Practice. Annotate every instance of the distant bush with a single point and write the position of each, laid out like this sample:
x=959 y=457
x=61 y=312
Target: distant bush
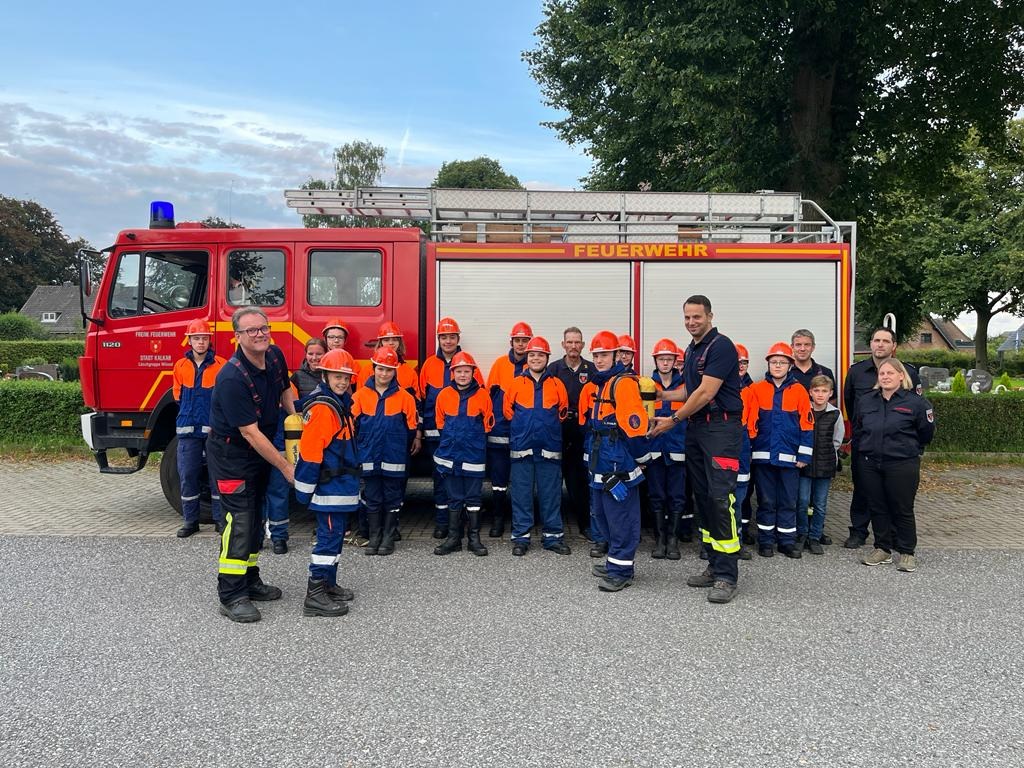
x=37 y=408
x=34 y=361
x=16 y=327
x=959 y=384
x=978 y=423
x=68 y=369
x=15 y=353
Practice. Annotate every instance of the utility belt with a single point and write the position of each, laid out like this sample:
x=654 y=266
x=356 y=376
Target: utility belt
x=326 y=475
x=715 y=416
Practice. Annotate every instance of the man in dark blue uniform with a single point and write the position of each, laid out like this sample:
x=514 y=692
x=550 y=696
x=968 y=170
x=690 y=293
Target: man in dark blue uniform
x=713 y=439
x=861 y=379
x=249 y=392
x=573 y=371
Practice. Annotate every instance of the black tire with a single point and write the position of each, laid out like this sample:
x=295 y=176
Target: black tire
x=170 y=483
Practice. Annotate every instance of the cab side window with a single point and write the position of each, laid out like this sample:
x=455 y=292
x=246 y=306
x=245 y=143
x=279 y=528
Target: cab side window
x=345 y=278
x=256 y=278
x=159 y=281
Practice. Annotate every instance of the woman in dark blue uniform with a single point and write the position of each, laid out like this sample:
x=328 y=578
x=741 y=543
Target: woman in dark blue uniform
x=892 y=427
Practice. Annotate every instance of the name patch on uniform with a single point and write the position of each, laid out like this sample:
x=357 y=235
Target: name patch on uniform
x=902 y=409
x=931 y=414
x=634 y=421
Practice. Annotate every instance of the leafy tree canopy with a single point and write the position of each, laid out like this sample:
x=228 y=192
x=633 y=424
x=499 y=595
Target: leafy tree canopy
x=216 y=222
x=811 y=96
x=479 y=173
x=33 y=251
x=356 y=164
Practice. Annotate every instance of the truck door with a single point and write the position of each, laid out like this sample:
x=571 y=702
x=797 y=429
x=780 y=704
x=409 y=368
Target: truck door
x=153 y=294
x=348 y=281
x=257 y=275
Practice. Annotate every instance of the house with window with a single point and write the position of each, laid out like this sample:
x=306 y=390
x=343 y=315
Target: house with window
x=57 y=308
x=933 y=333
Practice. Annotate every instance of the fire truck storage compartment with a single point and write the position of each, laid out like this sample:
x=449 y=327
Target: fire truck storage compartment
x=489 y=297
x=755 y=303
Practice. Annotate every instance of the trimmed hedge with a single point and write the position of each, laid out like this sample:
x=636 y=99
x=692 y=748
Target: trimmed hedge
x=36 y=408
x=978 y=423
x=14 y=353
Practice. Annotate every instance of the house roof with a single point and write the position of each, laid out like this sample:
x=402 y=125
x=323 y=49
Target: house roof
x=951 y=332
x=62 y=299
x=1014 y=341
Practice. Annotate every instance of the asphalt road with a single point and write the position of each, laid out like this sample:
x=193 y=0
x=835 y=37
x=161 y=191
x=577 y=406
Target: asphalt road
x=112 y=653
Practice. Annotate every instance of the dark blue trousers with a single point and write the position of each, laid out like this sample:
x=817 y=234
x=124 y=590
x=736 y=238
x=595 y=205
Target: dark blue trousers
x=666 y=488
x=777 y=489
x=330 y=536
x=621 y=519
x=382 y=493
x=546 y=477
x=191 y=465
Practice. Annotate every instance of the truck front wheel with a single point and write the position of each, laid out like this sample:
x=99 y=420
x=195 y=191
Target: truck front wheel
x=170 y=483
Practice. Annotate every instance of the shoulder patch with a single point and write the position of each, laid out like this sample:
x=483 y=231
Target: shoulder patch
x=306 y=415
x=930 y=414
x=634 y=421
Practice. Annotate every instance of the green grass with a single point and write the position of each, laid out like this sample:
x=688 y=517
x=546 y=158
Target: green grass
x=46 y=447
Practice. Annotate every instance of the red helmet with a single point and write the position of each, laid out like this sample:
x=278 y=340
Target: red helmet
x=626 y=344
x=385 y=357
x=604 y=341
x=462 y=358
x=389 y=330
x=741 y=351
x=781 y=348
x=337 y=361
x=447 y=325
x=334 y=322
x=539 y=344
x=521 y=331
x=199 y=328
x=665 y=347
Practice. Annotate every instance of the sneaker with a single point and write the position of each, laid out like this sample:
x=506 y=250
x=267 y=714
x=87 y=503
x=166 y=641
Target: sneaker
x=908 y=564
x=878 y=557
x=854 y=542
x=722 y=592
x=814 y=547
x=610 y=584
x=704 y=579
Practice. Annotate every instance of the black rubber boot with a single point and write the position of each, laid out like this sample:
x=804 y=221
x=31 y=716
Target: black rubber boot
x=454 y=541
x=672 y=548
x=498 y=504
x=387 y=542
x=373 y=524
x=473 y=543
x=319 y=603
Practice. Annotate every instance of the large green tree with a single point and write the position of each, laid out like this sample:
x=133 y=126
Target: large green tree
x=812 y=96
x=33 y=251
x=479 y=173
x=356 y=164
x=977 y=264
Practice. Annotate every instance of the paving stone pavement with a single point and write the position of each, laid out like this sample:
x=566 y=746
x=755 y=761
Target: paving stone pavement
x=957 y=507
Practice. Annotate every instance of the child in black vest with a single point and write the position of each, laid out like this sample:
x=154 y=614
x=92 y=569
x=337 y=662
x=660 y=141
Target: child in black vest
x=816 y=477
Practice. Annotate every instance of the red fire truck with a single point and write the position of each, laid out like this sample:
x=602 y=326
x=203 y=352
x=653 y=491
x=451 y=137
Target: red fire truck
x=769 y=262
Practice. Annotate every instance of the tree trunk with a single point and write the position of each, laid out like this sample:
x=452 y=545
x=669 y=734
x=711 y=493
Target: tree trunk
x=981 y=338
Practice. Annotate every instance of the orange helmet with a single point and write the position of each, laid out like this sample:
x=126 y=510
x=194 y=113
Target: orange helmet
x=604 y=341
x=198 y=327
x=462 y=358
x=447 y=325
x=334 y=322
x=665 y=347
x=385 y=357
x=337 y=361
x=521 y=331
x=781 y=348
x=389 y=330
x=539 y=344
x=626 y=344
x=741 y=351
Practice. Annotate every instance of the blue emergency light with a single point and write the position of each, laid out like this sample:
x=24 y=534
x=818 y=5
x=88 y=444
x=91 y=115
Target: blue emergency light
x=161 y=215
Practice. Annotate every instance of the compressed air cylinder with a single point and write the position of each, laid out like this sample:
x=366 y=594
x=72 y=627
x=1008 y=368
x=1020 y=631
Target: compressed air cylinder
x=647 y=389
x=292 y=435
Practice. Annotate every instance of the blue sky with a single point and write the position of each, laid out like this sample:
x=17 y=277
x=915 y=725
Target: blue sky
x=220 y=106
x=223 y=105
